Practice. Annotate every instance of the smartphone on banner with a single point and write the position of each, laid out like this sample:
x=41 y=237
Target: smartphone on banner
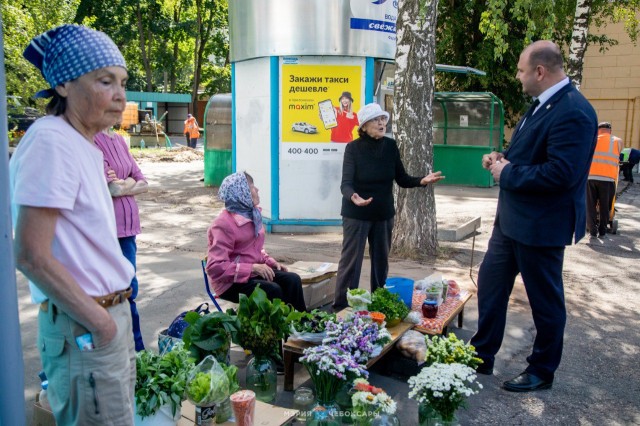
x=328 y=114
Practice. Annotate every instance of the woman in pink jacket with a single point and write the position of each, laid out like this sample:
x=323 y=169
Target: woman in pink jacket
x=236 y=260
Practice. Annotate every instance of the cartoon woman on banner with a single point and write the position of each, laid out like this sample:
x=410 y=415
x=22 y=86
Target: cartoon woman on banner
x=346 y=118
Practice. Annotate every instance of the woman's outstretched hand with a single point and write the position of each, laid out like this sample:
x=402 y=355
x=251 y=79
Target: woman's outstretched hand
x=431 y=178
x=359 y=201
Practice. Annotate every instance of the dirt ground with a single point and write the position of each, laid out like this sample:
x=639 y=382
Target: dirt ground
x=598 y=381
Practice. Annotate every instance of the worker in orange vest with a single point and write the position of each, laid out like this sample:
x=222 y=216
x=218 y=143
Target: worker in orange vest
x=603 y=175
x=191 y=131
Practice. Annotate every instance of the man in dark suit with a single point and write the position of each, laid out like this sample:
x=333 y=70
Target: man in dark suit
x=541 y=207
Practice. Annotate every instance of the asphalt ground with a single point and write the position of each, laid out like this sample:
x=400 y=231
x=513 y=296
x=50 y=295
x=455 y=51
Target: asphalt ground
x=598 y=382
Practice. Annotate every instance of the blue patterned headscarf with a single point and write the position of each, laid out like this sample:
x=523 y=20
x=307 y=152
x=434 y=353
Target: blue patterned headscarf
x=67 y=52
x=236 y=194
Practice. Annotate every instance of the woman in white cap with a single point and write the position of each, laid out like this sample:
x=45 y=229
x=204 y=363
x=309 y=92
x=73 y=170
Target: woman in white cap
x=371 y=164
x=65 y=230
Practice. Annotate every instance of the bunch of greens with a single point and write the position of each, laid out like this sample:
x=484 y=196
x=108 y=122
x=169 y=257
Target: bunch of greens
x=389 y=304
x=208 y=382
x=449 y=350
x=210 y=334
x=263 y=323
x=313 y=322
x=161 y=379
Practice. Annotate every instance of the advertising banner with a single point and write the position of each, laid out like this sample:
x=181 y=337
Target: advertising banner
x=319 y=105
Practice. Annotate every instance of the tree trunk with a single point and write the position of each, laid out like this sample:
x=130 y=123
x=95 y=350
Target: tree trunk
x=578 y=45
x=415 y=231
x=143 y=49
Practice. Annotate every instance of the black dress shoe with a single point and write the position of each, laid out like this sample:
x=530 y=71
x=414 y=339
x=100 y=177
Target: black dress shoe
x=526 y=382
x=484 y=369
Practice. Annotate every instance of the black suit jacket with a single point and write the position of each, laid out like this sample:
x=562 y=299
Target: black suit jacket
x=542 y=190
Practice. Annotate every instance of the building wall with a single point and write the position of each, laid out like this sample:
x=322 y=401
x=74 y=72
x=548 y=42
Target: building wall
x=611 y=82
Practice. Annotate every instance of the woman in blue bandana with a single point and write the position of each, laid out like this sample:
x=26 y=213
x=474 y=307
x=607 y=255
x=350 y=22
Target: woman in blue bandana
x=236 y=260
x=65 y=230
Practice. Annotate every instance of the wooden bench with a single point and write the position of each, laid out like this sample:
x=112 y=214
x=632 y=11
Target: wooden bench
x=293 y=350
x=451 y=308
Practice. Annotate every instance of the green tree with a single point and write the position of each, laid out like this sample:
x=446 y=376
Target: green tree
x=21 y=21
x=415 y=222
x=489 y=35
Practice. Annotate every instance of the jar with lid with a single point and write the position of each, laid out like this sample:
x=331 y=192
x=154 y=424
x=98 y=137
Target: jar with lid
x=303 y=402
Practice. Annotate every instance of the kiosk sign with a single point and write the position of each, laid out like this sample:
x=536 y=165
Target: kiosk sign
x=319 y=106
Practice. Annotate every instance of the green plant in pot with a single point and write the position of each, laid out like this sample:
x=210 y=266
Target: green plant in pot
x=161 y=380
x=263 y=325
x=224 y=410
x=390 y=304
x=210 y=334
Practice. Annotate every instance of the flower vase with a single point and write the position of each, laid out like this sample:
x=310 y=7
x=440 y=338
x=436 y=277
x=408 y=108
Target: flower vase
x=343 y=398
x=453 y=422
x=427 y=416
x=262 y=378
x=385 y=420
x=331 y=406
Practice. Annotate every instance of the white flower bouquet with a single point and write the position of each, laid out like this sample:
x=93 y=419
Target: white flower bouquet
x=444 y=387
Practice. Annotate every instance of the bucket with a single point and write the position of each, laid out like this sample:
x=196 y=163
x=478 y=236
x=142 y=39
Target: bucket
x=403 y=287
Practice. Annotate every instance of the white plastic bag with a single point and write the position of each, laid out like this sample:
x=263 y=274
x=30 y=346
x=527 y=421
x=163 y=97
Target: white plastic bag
x=207 y=383
x=306 y=336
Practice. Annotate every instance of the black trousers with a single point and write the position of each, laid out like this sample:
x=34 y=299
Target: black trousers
x=355 y=234
x=541 y=270
x=599 y=192
x=285 y=286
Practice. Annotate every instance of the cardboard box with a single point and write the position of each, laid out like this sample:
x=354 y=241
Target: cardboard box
x=265 y=415
x=320 y=293
x=314 y=272
x=42 y=416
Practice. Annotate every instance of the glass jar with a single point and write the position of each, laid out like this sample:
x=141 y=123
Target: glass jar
x=262 y=378
x=322 y=417
x=303 y=402
x=429 y=308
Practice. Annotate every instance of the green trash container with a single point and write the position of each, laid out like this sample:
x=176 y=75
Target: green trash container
x=217 y=166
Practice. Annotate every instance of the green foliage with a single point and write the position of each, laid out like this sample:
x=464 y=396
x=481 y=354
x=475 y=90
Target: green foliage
x=263 y=323
x=313 y=322
x=389 y=304
x=161 y=379
x=21 y=21
x=489 y=35
x=210 y=334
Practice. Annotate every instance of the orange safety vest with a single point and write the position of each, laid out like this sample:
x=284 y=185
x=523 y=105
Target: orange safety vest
x=606 y=157
x=191 y=127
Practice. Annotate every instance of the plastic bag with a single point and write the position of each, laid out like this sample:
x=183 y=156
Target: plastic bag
x=306 y=336
x=207 y=383
x=412 y=345
x=358 y=299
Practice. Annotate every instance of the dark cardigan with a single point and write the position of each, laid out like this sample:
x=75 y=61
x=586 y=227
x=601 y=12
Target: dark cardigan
x=370 y=166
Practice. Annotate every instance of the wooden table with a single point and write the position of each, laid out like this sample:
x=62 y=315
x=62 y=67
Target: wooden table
x=452 y=307
x=293 y=349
